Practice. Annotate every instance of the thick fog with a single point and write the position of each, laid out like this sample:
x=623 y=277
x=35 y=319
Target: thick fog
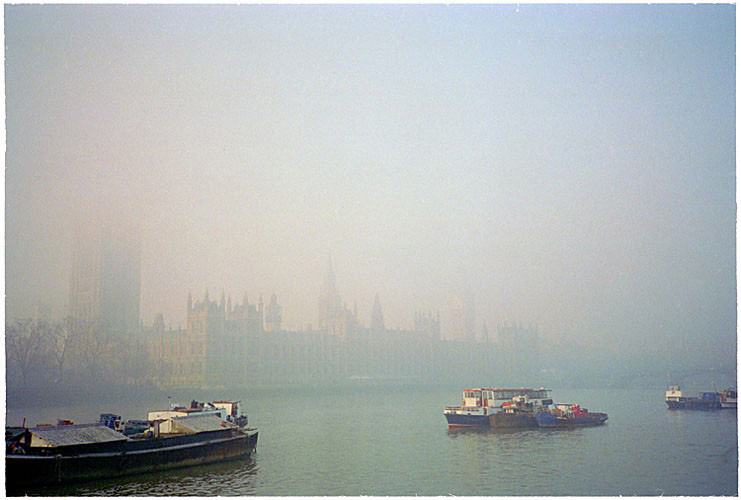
x=568 y=167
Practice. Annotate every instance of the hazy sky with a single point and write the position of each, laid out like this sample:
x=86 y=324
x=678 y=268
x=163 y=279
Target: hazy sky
x=569 y=166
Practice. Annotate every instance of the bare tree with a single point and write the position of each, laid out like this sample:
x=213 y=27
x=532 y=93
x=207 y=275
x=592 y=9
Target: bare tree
x=25 y=345
x=95 y=349
x=63 y=338
x=134 y=361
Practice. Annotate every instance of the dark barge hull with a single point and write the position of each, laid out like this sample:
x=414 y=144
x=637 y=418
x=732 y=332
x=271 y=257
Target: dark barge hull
x=495 y=420
x=512 y=420
x=551 y=421
x=39 y=469
x=695 y=404
x=460 y=421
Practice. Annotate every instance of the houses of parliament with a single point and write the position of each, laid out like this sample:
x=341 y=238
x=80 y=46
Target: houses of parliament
x=228 y=343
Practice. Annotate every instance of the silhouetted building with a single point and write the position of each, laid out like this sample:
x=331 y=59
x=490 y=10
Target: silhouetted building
x=213 y=350
x=334 y=317
x=427 y=325
x=273 y=315
x=234 y=345
x=469 y=317
x=519 y=352
x=455 y=328
x=106 y=276
x=377 y=324
x=485 y=334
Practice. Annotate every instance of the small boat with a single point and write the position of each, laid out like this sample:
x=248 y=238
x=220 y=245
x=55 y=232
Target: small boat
x=728 y=399
x=78 y=452
x=678 y=400
x=569 y=415
x=497 y=408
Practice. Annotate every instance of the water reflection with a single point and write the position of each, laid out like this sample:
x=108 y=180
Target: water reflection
x=232 y=478
x=514 y=430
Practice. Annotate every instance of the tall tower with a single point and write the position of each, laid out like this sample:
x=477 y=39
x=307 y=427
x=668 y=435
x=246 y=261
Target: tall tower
x=377 y=324
x=273 y=315
x=334 y=317
x=469 y=316
x=455 y=328
x=105 y=284
x=330 y=304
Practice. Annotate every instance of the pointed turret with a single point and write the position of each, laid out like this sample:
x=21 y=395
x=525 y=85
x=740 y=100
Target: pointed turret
x=377 y=324
x=329 y=279
x=330 y=303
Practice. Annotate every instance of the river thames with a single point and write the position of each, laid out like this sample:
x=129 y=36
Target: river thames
x=363 y=440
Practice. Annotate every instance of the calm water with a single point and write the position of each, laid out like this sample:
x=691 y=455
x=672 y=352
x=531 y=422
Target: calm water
x=373 y=441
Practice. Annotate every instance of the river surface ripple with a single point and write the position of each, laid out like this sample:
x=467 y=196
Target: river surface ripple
x=361 y=440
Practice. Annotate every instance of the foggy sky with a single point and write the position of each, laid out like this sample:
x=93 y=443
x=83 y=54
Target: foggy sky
x=570 y=167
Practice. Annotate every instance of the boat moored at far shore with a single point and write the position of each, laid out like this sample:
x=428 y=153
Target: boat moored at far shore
x=676 y=399
x=728 y=399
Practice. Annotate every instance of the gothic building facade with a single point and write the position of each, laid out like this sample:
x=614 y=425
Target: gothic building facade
x=334 y=316
x=232 y=345
x=214 y=348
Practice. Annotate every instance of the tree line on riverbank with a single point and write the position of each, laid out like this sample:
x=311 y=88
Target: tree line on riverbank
x=67 y=353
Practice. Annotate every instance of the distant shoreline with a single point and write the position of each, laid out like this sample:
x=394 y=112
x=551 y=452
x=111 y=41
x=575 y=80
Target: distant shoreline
x=31 y=397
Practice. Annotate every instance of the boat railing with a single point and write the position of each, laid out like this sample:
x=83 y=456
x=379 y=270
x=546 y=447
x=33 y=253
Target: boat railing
x=461 y=408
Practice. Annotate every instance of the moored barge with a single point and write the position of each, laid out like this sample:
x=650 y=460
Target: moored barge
x=69 y=453
x=569 y=415
x=728 y=399
x=497 y=408
x=676 y=399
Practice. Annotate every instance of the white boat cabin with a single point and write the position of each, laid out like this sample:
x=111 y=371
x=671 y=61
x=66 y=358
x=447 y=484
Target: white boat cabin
x=674 y=394
x=226 y=410
x=192 y=424
x=233 y=409
x=493 y=398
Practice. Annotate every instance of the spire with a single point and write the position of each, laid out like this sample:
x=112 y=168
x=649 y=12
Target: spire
x=329 y=279
x=377 y=317
x=190 y=302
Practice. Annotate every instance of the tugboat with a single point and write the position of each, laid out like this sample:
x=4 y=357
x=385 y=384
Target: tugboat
x=68 y=452
x=498 y=408
x=569 y=415
x=677 y=400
